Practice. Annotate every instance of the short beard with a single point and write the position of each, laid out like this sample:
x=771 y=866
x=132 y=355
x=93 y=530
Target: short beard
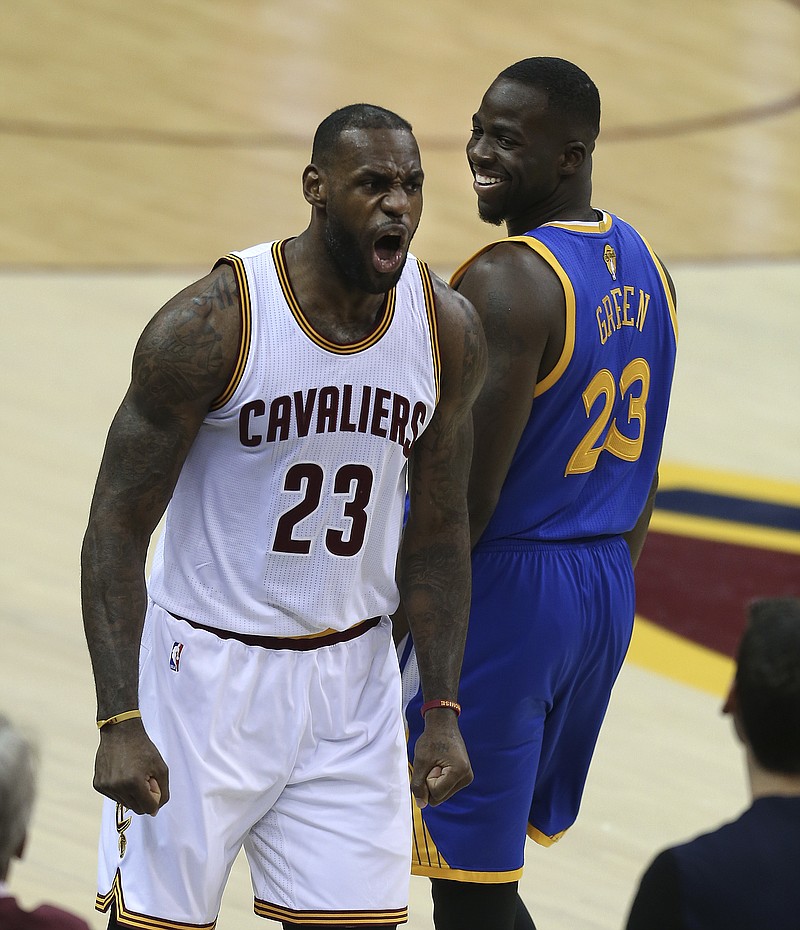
x=345 y=252
x=491 y=220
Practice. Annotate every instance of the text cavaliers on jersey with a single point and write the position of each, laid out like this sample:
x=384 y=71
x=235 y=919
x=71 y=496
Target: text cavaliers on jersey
x=374 y=410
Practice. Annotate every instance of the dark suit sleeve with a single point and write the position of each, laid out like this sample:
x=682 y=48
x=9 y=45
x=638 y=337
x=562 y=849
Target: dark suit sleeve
x=657 y=904
x=50 y=917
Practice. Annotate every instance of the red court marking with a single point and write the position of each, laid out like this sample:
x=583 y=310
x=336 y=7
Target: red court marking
x=700 y=589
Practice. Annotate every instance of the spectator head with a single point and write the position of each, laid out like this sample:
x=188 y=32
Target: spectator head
x=765 y=695
x=17 y=790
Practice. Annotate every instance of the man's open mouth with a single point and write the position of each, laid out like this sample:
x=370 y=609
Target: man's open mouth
x=389 y=252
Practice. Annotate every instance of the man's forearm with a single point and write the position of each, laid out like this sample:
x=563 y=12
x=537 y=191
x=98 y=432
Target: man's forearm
x=435 y=592
x=114 y=599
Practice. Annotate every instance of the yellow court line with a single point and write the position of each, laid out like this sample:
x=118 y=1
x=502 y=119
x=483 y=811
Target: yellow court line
x=674 y=474
x=658 y=650
x=725 y=531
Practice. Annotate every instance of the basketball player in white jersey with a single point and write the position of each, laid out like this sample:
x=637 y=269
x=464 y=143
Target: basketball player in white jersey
x=280 y=406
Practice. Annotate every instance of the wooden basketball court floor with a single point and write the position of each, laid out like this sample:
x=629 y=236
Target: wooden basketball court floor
x=141 y=141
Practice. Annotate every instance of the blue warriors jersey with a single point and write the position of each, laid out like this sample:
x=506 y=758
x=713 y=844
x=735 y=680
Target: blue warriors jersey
x=589 y=452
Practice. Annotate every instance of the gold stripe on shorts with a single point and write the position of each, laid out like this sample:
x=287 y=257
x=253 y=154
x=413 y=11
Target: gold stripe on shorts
x=288 y=915
x=128 y=918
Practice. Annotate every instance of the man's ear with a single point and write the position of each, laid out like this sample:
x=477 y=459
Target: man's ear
x=732 y=700
x=731 y=706
x=573 y=157
x=315 y=186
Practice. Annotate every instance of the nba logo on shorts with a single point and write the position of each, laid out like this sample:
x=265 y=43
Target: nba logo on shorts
x=175 y=657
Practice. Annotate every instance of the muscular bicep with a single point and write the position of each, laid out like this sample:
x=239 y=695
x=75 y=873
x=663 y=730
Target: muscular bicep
x=181 y=363
x=140 y=466
x=521 y=304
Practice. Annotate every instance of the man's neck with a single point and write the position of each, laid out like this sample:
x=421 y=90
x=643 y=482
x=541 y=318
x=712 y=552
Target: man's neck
x=321 y=290
x=575 y=214
x=766 y=784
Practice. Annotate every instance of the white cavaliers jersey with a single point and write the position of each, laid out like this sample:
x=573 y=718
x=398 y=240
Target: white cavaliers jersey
x=287 y=515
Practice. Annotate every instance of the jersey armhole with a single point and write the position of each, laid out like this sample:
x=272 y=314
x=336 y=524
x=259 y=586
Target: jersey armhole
x=569 y=298
x=433 y=327
x=569 y=323
x=673 y=312
x=245 y=311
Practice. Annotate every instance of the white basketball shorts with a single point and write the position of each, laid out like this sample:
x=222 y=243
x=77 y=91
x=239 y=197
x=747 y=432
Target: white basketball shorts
x=297 y=756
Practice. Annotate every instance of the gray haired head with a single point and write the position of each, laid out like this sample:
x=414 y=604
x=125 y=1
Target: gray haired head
x=18 y=760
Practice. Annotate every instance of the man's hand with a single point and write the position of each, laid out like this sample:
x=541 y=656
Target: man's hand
x=441 y=764
x=129 y=769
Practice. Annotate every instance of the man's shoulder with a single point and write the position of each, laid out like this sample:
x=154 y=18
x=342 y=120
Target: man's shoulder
x=515 y=258
x=51 y=917
x=449 y=303
x=727 y=843
x=44 y=917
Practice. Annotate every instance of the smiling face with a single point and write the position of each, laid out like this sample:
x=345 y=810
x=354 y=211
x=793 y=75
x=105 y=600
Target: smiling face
x=373 y=205
x=516 y=155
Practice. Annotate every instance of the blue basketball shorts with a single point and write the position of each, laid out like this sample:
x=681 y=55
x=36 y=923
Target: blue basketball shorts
x=549 y=628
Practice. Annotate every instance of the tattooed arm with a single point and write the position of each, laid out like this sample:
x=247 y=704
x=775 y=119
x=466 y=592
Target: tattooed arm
x=434 y=566
x=183 y=360
x=522 y=306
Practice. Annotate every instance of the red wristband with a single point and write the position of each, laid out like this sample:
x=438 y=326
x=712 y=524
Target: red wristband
x=431 y=705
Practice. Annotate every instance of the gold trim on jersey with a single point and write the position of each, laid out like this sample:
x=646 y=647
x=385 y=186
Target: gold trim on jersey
x=288 y=915
x=430 y=309
x=245 y=310
x=140 y=921
x=458 y=274
x=673 y=312
x=599 y=226
x=387 y=311
x=543 y=839
x=569 y=296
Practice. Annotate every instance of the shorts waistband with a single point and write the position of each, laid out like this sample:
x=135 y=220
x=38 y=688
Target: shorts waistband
x=299 y=643
x=545 y=545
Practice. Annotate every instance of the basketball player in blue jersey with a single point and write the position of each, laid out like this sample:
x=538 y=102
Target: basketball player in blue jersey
x=277 y=410
x=579 y=315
